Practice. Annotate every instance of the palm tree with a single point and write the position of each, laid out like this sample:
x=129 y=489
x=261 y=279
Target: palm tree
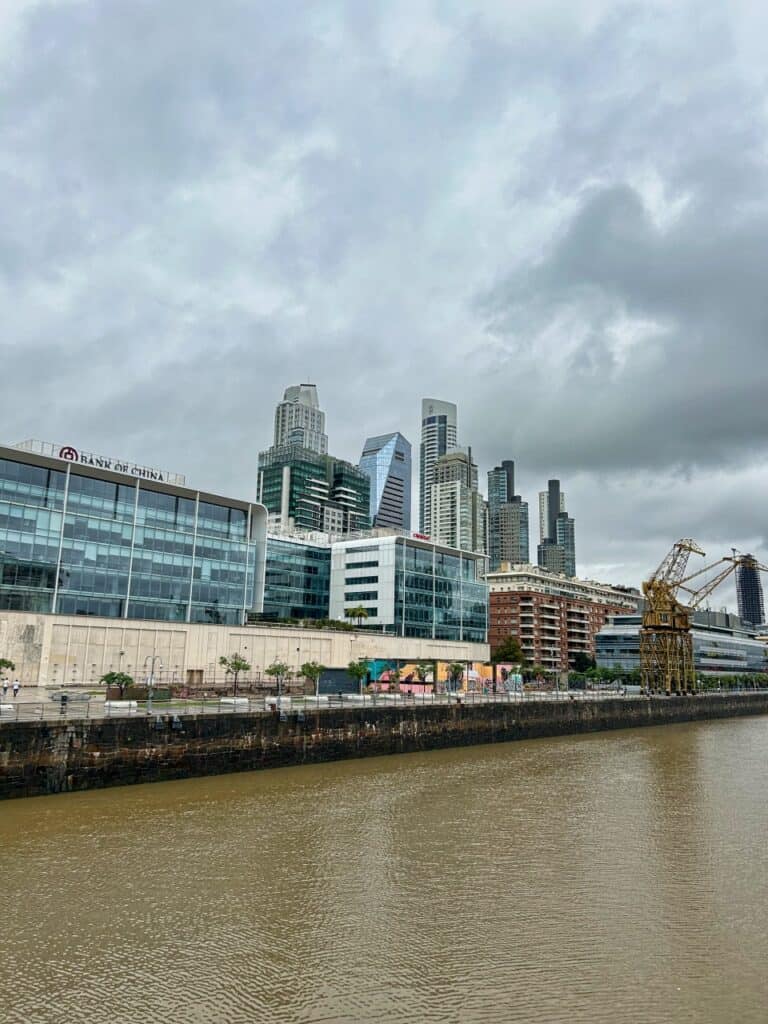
x=358 y=613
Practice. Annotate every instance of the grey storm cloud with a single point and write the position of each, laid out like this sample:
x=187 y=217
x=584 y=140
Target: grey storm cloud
x=553 y=214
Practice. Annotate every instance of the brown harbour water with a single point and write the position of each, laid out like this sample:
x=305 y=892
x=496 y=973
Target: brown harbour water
x=618 y=877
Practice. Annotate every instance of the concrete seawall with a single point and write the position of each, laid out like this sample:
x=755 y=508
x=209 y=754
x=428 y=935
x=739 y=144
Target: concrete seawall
x=38 y=758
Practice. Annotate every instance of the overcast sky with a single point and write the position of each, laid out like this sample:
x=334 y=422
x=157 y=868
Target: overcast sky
x=554 y=213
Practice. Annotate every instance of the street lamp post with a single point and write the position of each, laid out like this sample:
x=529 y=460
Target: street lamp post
x=152 y=659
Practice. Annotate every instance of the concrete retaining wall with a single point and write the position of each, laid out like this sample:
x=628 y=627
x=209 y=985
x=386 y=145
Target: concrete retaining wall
x=59 y=649
x=38 y=758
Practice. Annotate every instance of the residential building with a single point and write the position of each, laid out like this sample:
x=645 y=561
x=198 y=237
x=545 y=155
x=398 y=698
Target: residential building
x=438 y=436
x=88 y=535
x=566 y=539
x=458 y=511
x=510 y=532
x=551 y=557
x=386 y=460
x=411 y=586
x=558 y=503
x=300 y=421
x=303 y=489
x=557 y=547
x=507 y=518
x=749 y=593
x=722 y=644
x=553 y=616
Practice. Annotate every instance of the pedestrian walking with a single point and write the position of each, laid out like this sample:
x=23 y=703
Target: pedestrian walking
x=16 y=688
x=5 y=687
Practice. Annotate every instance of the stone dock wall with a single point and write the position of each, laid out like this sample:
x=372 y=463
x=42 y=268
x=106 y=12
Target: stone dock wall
x=39 y=758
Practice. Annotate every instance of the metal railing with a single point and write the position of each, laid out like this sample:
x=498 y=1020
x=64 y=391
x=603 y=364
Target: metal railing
x=177 y=708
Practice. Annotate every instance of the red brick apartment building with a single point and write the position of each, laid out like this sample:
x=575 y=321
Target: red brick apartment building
x=553 y=616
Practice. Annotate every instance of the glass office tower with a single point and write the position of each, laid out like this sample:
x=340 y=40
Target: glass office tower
x=81 y=541
x=308 y=491
x=386 y=460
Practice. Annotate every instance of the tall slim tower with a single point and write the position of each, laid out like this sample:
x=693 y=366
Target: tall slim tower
x=299 y=420
x=458 y=510
x=749 y=594
x=557 y=549
x=438 y=436
x=507 y=518
x=544 y=522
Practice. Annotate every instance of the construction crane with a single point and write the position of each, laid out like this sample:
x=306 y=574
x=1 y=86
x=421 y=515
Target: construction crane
x=666 y=644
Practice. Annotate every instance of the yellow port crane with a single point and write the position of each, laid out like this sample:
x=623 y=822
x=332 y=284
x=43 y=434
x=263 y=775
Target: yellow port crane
x=666 y=644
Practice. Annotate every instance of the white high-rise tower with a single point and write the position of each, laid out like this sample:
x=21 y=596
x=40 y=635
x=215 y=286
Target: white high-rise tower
x=299 y=419
x=438 y=436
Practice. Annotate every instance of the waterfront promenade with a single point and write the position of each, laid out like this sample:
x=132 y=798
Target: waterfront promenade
x=57 y=753
x=39 y=705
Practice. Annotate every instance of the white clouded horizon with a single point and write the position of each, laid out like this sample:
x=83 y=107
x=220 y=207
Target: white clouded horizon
x=553 y=214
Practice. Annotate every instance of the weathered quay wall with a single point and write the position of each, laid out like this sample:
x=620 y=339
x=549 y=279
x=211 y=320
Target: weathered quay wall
x=38 y=758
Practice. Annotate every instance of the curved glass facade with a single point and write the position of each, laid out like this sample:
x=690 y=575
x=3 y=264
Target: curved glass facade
x=717 y=650
x=85 y=545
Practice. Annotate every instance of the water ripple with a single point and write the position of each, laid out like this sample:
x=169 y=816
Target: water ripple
x=619 y=877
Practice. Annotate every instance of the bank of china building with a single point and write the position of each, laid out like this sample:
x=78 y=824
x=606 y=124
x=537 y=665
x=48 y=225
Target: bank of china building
x=87 y=535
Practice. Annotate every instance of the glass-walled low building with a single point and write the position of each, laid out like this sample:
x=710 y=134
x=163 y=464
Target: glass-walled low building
x=80 y=539
x=297 y=578
x=411 y=587
x=722 y=645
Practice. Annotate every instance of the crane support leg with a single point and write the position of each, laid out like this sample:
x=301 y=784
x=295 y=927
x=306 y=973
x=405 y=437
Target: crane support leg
x=666 y=659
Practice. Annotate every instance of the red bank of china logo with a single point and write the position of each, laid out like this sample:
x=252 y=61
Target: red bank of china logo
x=69 y=453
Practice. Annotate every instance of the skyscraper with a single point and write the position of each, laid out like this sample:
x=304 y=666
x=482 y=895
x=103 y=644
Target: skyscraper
x=387 y=462
x=510 y=534
x=565 y=537
x=501 y=483
x=507 y=518
x=438 y=436
x=557 y=549
x=458 y=510
x=300 y=421
x=305 y=490
x=300 y=484
x=749 y=593
x=544 y=520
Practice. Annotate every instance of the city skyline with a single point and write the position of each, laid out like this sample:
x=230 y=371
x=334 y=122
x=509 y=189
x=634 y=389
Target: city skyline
x=727 y=597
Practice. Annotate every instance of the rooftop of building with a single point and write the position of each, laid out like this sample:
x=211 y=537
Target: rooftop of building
x=703 y=620
x=525 y=576
x=378 y=533
x=49 y=455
